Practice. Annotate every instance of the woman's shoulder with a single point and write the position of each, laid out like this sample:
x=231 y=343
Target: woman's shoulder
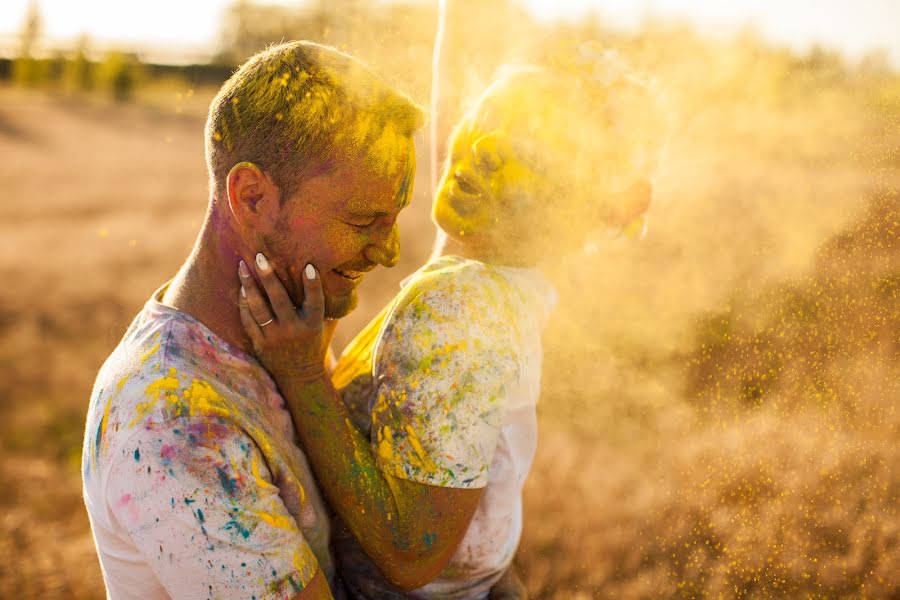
x=456 y=298
x=457 y=277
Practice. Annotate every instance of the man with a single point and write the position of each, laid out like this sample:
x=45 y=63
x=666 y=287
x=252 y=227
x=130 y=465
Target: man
x=192 y=479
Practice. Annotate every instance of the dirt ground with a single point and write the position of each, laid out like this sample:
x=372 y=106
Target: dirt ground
x=720 y=407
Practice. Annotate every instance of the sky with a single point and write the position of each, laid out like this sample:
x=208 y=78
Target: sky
x=853 y=27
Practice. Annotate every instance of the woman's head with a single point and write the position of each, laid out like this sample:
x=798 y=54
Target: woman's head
x=544 y=157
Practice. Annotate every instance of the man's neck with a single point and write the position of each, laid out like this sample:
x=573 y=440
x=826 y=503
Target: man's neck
x=206 y=286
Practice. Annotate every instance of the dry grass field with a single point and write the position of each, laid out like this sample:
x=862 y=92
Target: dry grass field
x=721 y=407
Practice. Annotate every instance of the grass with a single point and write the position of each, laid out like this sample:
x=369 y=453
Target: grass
x=719 y=411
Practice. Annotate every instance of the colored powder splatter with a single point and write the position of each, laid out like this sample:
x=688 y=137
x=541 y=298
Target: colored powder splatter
x=233 y=525
x=228 y=484
x=167 y=452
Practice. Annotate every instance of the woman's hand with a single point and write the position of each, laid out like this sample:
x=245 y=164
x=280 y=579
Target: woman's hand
x=288 y=341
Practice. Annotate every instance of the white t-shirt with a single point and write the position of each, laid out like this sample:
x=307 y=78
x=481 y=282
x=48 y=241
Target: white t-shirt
x=456 y=374
x=193 y=481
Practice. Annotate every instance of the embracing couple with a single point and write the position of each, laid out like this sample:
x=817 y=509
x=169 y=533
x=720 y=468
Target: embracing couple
x=228 y=455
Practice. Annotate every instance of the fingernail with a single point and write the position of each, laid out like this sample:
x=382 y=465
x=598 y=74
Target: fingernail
x=261 y=261
x=243 y=270
x=310 y=272
x=243 y=292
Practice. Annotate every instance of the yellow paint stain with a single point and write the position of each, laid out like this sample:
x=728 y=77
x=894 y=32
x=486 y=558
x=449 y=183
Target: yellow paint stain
x=297 y=564
x=277 y=521
x=254 y=470
x=386 y=444
x=164 y=387
x=149 y=353
x=103 y=424
x=424 y=459
x=202 y=399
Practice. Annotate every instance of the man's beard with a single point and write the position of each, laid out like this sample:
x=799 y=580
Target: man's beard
x=337 y=307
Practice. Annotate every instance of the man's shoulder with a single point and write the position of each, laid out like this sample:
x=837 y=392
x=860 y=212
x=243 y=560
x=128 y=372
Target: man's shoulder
x=156 y=380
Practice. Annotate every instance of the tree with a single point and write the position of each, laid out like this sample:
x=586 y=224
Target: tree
x=27 y=70
x=78 y=72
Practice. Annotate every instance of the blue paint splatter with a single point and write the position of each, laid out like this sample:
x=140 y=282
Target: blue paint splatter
x=228 y=484
x=137 y=455
x=430 y=538
x=240 y=529
x=97 y=441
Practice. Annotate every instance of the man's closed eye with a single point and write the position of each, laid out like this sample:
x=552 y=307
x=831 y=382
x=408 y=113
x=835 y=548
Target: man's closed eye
x=361 y=223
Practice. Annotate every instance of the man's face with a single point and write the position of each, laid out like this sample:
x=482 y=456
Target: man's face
x=344 y=222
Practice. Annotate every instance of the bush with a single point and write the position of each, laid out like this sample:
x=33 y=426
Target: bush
x=118 y=74
x=30 y=71
x=78 y=73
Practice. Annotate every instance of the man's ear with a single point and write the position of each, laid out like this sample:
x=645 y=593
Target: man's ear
x=252 y=195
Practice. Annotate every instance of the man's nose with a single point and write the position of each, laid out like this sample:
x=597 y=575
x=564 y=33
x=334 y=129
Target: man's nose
x=385 y=250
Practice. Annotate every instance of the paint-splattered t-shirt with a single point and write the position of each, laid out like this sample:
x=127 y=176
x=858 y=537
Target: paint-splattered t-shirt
x=456 y=378
x=193 y=481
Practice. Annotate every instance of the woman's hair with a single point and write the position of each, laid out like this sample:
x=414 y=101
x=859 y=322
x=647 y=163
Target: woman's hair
x=293 y=108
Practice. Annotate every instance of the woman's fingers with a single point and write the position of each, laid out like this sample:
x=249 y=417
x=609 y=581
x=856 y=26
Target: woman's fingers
x=249 y=322
x=251 y=295
x=313 y=309
x=278 y=296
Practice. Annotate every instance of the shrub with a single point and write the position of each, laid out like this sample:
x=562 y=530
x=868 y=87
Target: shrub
x=118 y=74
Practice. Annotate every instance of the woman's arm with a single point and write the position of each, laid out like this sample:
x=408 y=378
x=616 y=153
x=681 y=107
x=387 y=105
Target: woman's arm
x=410 y=530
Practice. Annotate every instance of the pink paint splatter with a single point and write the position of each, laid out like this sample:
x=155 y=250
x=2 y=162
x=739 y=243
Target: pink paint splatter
x=130 y=508
x=167 y=453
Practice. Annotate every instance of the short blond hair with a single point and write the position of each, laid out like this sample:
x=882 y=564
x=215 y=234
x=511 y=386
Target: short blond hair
x=293 y=108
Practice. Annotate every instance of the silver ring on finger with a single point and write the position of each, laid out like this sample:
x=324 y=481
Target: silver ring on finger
x=267 y=322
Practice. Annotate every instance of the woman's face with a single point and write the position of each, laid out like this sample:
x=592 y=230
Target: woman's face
x=523 y=172
x=498 y=176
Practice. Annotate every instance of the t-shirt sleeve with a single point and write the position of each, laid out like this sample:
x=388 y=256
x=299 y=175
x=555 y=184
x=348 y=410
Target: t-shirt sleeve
x=196 y=498
x=443 y=367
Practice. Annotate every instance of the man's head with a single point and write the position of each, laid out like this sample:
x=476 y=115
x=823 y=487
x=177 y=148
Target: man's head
x=310 y=158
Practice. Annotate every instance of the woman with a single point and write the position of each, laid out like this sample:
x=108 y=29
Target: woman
x=442 y=386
